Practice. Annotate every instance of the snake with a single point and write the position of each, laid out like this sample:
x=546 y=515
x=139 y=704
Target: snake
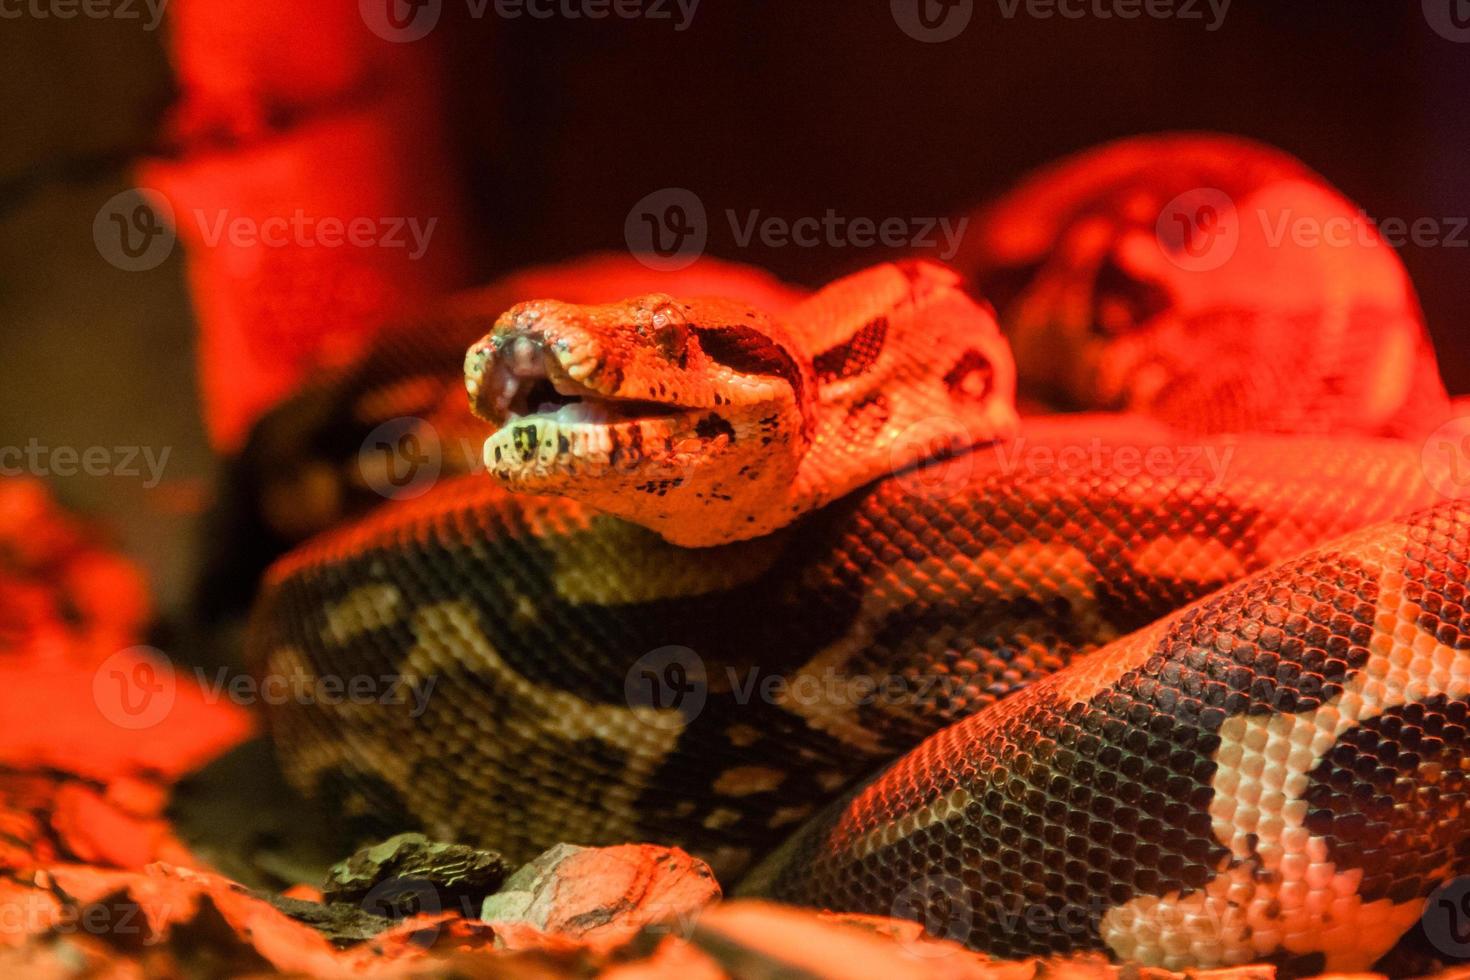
x=798 y=589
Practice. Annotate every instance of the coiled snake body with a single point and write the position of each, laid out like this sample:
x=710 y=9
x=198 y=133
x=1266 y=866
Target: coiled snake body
x=724 y=565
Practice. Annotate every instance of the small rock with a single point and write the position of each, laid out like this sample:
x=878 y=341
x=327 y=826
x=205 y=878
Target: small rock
x=410 y=874
x=603 y=896
x=342 y=923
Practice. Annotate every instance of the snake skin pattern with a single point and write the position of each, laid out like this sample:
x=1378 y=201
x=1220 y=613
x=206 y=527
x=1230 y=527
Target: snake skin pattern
x=1275 y=773
x=1191 y=278
x=522 y=625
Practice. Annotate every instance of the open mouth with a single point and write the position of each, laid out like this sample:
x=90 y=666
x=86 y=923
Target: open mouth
x=526 y=382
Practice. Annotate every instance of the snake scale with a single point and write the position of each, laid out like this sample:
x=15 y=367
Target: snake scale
x=1184 y=685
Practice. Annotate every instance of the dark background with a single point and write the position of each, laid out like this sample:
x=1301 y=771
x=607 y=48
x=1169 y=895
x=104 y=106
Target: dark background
x=787 y=106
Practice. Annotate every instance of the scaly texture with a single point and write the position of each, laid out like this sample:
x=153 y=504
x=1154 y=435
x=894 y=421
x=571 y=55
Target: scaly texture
x=1210 y=281
x=1277 y=771
x=885 y=570
x=527 y=629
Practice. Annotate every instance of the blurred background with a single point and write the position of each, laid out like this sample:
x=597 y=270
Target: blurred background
x=532 y=137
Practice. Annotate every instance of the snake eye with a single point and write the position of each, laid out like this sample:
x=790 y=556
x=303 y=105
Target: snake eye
x=671 y=332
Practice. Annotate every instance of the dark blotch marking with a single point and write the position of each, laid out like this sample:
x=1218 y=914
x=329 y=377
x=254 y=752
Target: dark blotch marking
x=712 y=426
x=858 y=354
x=526 y=440
x=1371 y=800
x=749 y=351
x=972 y=376
x=1116 y=291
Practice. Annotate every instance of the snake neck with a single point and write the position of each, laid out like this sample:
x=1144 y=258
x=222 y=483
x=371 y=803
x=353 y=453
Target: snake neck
x=905 y=367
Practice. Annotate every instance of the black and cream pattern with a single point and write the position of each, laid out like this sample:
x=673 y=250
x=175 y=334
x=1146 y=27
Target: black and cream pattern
x=1276 y=772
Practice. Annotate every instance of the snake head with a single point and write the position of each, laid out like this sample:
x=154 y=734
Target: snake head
x=670 y=413
x=707 y=422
